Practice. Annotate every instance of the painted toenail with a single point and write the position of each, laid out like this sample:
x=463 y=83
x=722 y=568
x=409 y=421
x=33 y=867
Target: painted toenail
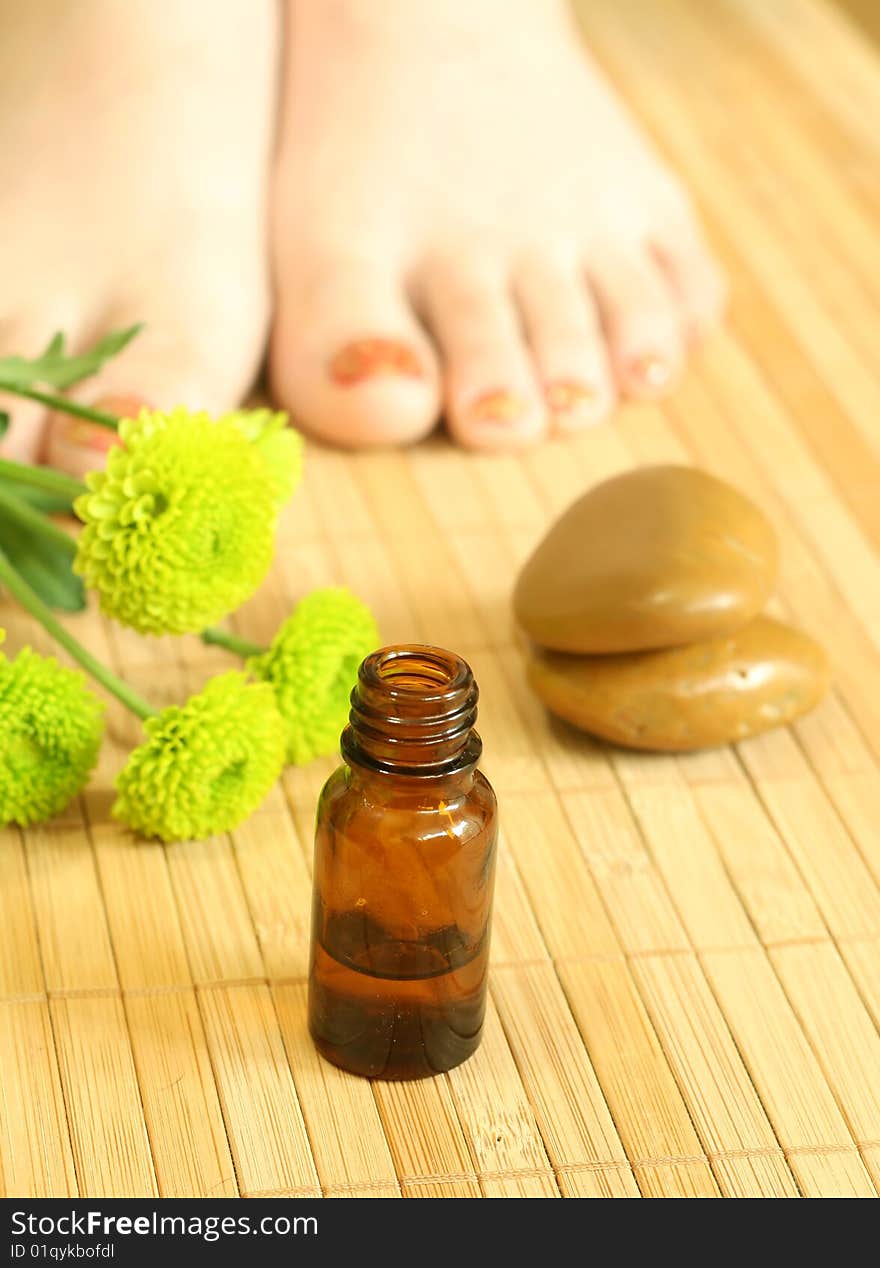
x=369 y=358
x=564 y=397
x=76 y=431
x=497 y=407
x=122 y=404
x=651 y=371
x=86 y=435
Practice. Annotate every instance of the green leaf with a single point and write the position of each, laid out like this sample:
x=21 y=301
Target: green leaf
x=39 y=499
x=4 y=423
x=54 y=368
x=44 y=564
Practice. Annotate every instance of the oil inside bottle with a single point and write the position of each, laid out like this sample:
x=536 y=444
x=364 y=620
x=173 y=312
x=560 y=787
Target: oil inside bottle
x=394 y=1009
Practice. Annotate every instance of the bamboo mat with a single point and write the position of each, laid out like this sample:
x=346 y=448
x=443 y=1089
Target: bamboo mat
x=685 y=992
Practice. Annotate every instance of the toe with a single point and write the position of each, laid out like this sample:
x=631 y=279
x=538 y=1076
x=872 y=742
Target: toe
x=165 y=365
x=565 y=335
x=694 y=276
x=642 y=319
x=27 y=419
x=349 y=359
x=491 y=395
x=78 y=446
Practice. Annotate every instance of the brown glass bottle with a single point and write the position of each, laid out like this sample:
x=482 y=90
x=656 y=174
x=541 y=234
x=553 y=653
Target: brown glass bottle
x=404 y=873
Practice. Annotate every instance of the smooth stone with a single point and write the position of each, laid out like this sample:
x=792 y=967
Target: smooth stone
x=656 y=557
x=681 y=698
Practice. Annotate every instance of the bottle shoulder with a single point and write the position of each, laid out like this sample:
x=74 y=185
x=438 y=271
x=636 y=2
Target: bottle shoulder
x=403 y=804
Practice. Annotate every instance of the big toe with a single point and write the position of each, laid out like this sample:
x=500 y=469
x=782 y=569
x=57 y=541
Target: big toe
x=349 y=359
x=24 y=420
x=164 y=366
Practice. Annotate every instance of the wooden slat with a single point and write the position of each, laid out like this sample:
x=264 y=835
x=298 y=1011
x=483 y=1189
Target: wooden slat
x=148 y=944
x=111 y=1149
x=35 y=1154
x=863 y=961
x=263 y=1118
x=218 y=931
x=74 y=941
x=498 y=1121
x=575 y=1123
x=179 y=1095
x=788 y=1078
x=841 y=1033
x=778 y=901
x=693 y=871
x=278 y=889
x=21 y=971
x=845 y=891
x=516 y=936
x=564 y=897
x=723 y=1104
x=345 y=1132
x=651 y=1116
x=627 y=878
x=426 y=1139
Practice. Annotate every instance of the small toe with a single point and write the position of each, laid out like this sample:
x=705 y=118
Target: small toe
x=694 y=276
x=492 y=397
x=350 y=361
x=642 y=320
x=567 y=343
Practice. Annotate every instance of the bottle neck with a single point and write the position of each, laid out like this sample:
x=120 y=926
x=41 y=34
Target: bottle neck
x=413 y=712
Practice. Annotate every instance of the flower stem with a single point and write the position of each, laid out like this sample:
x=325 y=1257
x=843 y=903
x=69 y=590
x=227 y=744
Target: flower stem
x=64 y=404
x=19 y=589
x=36 y=522
x=42 y=478
x=215 y=637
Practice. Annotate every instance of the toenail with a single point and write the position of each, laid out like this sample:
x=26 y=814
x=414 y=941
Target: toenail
x=121 y=404
x=566 y=396
x=497 y=407
x=368 y=358
x=76 y=431
x=86 y=435
x=651 y=371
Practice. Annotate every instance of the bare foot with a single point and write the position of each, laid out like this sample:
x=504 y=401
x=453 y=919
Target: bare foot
x=134 y=147
x=466 y=220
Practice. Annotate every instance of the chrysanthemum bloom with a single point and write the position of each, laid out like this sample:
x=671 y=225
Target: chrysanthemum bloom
x=180 y=527
x=280 y=445
x=312 y=666
x=205 y=765
x=50 y=734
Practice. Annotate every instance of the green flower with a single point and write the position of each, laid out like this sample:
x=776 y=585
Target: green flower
x=50 y=734
x=205 y=765
x=180 y=527
x=312 y=665
x=280 y=446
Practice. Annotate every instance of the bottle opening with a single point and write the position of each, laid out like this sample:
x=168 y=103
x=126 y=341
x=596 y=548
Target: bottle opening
x=413 y=709
x=418 y=670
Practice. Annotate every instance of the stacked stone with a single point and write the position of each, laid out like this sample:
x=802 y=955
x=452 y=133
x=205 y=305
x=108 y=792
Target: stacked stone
x=644 y=604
